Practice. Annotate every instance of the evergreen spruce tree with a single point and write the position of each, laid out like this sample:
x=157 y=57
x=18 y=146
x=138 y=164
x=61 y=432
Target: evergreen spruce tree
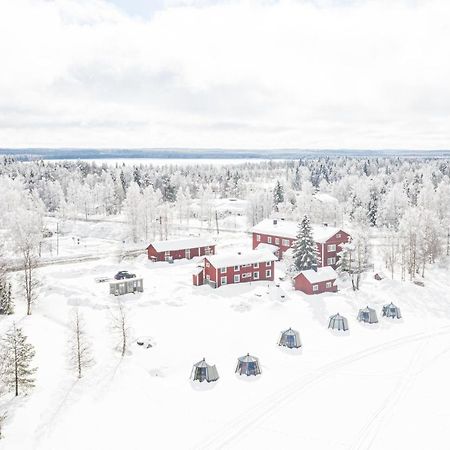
x=6 y=303
x=305 y=255
x=372 y=213
x=17 y=355
x=278 y=195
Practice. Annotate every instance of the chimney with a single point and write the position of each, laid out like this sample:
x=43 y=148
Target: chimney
x=275 y=221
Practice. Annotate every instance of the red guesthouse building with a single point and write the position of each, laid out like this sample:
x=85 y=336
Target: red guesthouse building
x=241 y=267
x=179 y=249
x=316 y=282
x=282 y=233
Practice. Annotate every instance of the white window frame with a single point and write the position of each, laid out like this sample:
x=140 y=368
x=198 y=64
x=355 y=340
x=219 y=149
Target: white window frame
x=256 y=265
x=285 y=242
x=338 y=235
x=167 y=254
x=258 y=238
x=269 y=239
x=208 y=277
x=236 y=268
x=268 y=263
x=236 y=278
x=331 y=247
x=268 y=273
x=207 y=264
x=328 y=284
x=223 y=280
x=223 y=270
x=256 y=275
x=331 y=261
x=315 y=287
x=277 y=241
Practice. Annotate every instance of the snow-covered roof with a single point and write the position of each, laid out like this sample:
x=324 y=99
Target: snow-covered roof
x=182 y=244
x=326 y=273
x=270 y=247
x=125 y=280
x=197 y=270
x=241 y=258
x=289 y=229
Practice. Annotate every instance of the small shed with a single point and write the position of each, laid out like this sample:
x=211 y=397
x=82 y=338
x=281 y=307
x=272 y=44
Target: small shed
x=127 y=286
x=367 y=315
x=290 y=338
x=202 y=371
x=338 y=322
x=316 y=281
x=391 y=311
x=248 y=365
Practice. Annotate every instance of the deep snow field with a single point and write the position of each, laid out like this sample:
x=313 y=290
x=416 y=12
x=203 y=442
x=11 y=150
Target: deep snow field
x=382 y=386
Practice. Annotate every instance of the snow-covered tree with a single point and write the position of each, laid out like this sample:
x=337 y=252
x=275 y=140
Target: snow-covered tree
x=305 y=255
x=6 y=301
x=16 y=356
x=278 y=195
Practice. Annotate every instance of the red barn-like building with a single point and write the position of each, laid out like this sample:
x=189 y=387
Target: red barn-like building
x=315 y=282
x=242 y=267
x=283 y=233
x=178 y=249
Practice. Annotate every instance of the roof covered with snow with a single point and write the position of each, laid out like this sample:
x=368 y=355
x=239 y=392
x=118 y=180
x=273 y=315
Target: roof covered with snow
x=289 y=229
x=241 y=258
x=326 y=273
x=270 y=247
x=181 y=244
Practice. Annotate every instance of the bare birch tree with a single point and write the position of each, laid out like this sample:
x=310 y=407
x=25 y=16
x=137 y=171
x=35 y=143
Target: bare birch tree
x=81 y=355
x=121 y=329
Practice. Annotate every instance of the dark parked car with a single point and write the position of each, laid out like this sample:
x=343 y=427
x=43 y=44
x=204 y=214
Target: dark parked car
x=123 y=274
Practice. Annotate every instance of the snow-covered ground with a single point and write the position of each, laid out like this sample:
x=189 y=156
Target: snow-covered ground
x=382 y=386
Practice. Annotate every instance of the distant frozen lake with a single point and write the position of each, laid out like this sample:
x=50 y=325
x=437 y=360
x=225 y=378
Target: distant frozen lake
x=169 y=161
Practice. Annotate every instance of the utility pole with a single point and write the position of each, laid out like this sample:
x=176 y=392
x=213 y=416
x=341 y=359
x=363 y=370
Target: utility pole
x=57 y=238
x=217 y=223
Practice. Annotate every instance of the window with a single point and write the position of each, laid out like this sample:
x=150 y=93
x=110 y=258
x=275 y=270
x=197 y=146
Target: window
x=223 y=280
x=331 y=247
x=269 y=239
x=277 y=241
x=223 y=270
x=207 y=277
x=256 y=275
x=338 y=235
x=166 y=254
x=237 y=278
x=268 y=273
x=246 y=265
x=256 y=265
x=328 y=284
x=331 y=261
x=207 y=264
x=285 y=242
x=236 y=268
x=258 y=237
x=268 y=264
x=315 y=287
x=246 y=275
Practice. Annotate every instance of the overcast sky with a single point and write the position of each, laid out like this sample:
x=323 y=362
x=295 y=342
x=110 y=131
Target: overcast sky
x=228 y=74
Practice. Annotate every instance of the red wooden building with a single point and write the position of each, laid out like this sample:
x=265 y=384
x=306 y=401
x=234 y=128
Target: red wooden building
x=282 y=233
x=241 y=267
x=178 y=249
x=315 y=282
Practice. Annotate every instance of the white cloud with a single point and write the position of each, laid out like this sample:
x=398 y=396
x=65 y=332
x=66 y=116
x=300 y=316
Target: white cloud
x=306 y=74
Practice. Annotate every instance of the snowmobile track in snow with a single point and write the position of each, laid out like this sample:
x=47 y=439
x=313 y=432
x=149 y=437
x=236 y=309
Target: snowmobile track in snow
x=241 y=425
